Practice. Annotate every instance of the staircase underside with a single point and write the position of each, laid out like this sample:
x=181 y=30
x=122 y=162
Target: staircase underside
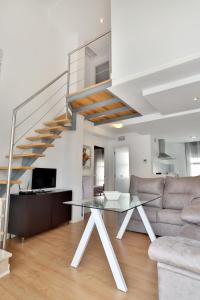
x=98 y=105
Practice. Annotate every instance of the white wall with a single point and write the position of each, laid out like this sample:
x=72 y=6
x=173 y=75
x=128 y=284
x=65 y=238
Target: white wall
x=140 y=150
x=149 y=33
x=34 y=52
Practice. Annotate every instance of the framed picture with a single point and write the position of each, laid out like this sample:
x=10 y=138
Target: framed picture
x=86 y=161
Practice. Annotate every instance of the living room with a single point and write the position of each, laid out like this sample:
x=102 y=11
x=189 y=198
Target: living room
x=110 y=89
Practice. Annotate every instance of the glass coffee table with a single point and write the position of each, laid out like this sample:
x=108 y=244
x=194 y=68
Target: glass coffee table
x=125 y=204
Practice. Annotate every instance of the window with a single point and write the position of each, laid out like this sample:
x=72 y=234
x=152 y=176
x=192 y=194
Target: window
x=192 y=151
x=195 y=166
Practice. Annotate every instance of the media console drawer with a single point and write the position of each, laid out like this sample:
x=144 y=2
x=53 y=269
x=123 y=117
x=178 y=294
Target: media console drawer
x=35 y=213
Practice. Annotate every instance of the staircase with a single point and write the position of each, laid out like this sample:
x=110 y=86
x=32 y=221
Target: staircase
x=29 y=141
x=34 y=149
x=54 y=107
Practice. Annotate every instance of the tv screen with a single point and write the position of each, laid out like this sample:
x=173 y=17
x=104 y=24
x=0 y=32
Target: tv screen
x=43 y=178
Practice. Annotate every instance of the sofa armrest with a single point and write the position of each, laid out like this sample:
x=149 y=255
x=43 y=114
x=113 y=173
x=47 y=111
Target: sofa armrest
x=178 y=251
x=196 y=200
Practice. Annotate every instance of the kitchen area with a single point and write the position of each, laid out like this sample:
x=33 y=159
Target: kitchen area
x=171 y=158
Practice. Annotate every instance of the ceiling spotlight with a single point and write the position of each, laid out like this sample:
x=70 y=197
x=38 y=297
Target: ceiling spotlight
x=101 y=20
x=118 y=125
x=196 y=99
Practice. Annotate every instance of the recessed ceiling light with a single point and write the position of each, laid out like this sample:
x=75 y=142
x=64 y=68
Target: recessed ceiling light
x=196 y=99
x=118 y=125
x=193 y=137
x=101 y=20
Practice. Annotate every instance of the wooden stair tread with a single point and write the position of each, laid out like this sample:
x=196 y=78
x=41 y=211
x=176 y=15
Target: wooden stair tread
x=17 y=168
x=43 y=136
x=63 y=116
x=11 y=181
x=36 y=145
x=58 y=122
x=50 y=129
x=27 y=155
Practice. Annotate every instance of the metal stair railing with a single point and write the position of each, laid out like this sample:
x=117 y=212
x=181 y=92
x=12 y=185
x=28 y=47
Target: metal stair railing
x=12 y=143
x=81 y=59
x=93 y=47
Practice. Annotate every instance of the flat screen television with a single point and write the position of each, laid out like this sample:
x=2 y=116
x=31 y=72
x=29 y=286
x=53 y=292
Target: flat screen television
x=43 y=178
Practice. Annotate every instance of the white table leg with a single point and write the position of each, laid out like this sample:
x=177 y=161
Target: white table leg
x=96 y=219
x=124 y=224
x=83 y=243
x=146 y=223
x=112 y=260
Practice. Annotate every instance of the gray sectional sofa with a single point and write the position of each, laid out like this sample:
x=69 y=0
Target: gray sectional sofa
x=175 y=217
x=165 y=214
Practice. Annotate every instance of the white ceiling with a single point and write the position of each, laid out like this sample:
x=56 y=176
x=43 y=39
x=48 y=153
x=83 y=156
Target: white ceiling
x=175 y=128
x=164 y=96
x=143 y=91
x=175 y=96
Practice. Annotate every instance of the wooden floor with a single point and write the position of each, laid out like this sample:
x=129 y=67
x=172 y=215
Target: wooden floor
x=40 y=267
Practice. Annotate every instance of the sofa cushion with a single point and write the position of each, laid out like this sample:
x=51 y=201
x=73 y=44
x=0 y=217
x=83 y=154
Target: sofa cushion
x=150 y=211
x=190 y=231
x=177 y=251
x=170 y=216
x=148 y=185
x=179 y=191
x=191 y=214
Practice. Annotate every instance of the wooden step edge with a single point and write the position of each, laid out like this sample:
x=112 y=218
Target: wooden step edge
x=2 y=168
x=27 y=155
x=38 y=145
x=4 y=182
x=57 y=122
x=45 y=136
x=63 y=116
x=51 y=129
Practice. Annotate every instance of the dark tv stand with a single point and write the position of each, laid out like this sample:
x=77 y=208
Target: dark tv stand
x=31 y=214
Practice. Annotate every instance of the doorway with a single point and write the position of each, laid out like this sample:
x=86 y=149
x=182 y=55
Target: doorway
x=121 y=169
x=99 y=170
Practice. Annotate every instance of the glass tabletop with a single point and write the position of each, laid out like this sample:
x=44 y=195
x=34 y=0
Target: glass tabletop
x=124 y=203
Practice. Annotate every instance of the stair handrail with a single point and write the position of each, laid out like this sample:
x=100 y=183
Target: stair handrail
x=89 y=42
x=11 y=146
x=107 y=33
